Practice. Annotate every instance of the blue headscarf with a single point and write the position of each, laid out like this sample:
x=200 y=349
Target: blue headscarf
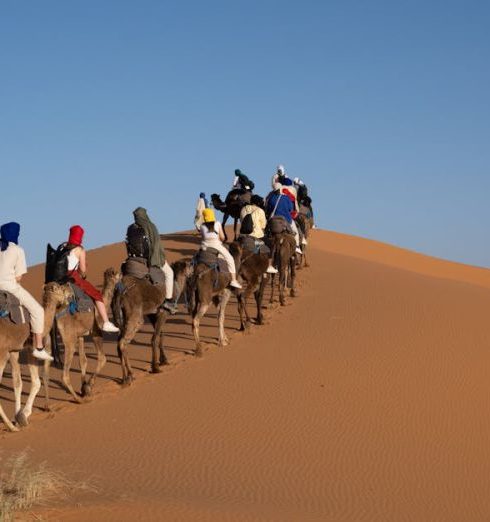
x=203 y=196
x=9 y=233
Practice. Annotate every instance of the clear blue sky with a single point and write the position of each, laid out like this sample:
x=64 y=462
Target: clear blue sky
x=382 y=107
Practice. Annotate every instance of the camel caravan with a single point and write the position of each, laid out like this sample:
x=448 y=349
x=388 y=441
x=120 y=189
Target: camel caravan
x=270 y=242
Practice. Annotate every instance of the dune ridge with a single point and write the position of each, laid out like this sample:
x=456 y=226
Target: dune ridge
x=364 y=399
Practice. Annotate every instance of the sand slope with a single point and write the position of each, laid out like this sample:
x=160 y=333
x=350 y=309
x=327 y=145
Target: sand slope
x=365 y=399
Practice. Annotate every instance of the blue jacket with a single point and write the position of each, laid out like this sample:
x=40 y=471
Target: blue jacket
x=284 y=207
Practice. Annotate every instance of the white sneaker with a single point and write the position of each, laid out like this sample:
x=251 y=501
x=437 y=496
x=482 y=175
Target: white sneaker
x=298 y=250
x=235 y=284
x=272 y=270
x=109 y=327
x=42 y=354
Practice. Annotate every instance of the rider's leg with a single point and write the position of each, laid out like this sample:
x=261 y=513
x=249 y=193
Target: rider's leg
x=37 y=320
x=94 y=294
x=294 y=228
x=230 y=263
x=169 y=280
x=168 y=304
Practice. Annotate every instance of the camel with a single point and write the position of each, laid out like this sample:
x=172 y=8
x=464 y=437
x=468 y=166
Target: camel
x=12 y=339
x=284 y=256
x=72 y=329
x=205 y=286
x=232 y=206
x=252 y=269
x=136 y=299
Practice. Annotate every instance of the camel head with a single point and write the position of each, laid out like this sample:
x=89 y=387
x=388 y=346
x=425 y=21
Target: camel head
x=57 y=295
x=111 y=277
x=217 y=202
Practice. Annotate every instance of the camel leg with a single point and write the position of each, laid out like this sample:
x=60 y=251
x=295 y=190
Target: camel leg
x=88 y=384
x=82 y=357
x=225 y=219
x=292 y=275
x=157 y=354
x=70 y=344
x=130 y=330
x=223 y=339
x=241 y=310
x=282 y=284
x=259 y=296
x=243 y=297
x=161 y=323
x=46 y=370
x=16 y=380
x=202 y=308
x=3 y=361
x=273 y=281
x=235 y=229
x=24 y=414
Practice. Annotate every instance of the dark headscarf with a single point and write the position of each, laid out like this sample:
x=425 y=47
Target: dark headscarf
x=157 y=255
x=9 y=233
x=257 y=201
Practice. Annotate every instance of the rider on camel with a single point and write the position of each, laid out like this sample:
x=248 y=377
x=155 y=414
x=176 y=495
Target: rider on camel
x=202 y=203
x=213 y=237
x=242 y=182
x=256 y=210
x=12 y=267
x=157 y=256
x=77 y=271
x=280 y=204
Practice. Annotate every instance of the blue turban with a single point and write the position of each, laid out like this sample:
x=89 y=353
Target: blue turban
x=9 y=233
x=203 y=196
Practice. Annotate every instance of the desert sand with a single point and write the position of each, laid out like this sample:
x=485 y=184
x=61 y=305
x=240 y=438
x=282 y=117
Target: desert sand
x=365 y=399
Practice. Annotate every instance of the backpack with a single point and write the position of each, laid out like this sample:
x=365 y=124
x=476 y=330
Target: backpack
x=56 y=268
x=137 y=243
x=247 y=226
x=246 y=182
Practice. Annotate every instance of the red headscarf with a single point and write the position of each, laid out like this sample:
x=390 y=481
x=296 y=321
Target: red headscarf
x=76 y=235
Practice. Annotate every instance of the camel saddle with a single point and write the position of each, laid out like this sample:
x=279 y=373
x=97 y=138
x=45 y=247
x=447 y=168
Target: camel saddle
x=208 y=257
x=137 y=267
x=79 y=302
x=277 y=225
x=10 y=307
x=254 y=245
x=82 y=302
x=241 y=196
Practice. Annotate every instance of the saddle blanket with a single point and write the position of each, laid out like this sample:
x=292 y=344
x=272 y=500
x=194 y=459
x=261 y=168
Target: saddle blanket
x=82 y=302
x=256 y=246
x=10 y=307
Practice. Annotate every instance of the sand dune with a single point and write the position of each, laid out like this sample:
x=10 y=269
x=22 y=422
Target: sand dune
x=364 y=399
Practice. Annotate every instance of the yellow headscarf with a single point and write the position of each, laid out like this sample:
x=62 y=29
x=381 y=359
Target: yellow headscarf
x=208 y=215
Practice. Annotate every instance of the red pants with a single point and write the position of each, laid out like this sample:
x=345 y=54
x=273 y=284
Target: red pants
x=88 y=288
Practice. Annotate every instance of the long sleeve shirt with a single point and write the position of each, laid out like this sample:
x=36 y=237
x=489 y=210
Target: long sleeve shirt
x=284 y=206
x=258 y=218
